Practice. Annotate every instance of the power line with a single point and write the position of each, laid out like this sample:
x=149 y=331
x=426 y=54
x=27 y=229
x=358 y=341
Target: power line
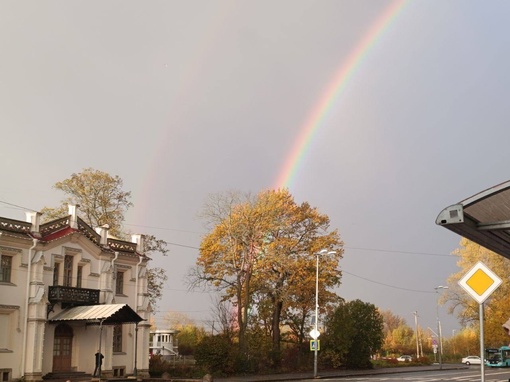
x=15 y=205
x=387 y=285
x=182 y=245
x=163 y=228
x=402 y=252
x=344 y=271
x=193 y=247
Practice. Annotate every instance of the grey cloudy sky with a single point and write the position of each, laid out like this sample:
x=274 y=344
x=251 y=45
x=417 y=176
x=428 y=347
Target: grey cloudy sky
x=182 y=99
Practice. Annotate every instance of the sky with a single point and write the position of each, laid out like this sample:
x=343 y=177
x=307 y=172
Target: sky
x=378 y=113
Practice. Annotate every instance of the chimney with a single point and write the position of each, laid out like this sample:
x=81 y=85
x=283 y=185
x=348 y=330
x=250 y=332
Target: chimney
x=138 y=239
x=34 y=218
x=103 y=232
x=73 y=209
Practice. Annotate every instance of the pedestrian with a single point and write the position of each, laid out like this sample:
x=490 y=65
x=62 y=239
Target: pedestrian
x=99 y=361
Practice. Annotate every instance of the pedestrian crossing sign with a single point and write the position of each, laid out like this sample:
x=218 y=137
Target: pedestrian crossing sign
x=315 y=345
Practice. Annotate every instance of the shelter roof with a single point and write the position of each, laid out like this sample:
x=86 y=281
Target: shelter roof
x=483 y=218
x=107 y=314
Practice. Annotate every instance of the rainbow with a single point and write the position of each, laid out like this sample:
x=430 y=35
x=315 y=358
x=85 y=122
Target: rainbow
x=334 y=89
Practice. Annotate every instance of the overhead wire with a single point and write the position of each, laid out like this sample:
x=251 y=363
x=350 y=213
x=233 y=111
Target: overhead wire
x=15 y=205
x=345 y=247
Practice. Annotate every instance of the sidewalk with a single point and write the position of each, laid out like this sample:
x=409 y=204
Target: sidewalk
x=337 y=373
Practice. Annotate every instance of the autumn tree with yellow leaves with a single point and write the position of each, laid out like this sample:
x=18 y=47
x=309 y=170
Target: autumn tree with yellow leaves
x=101 y=200
x=496 y=307
x=260 y=254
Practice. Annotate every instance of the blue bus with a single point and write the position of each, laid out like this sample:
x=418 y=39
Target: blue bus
x=498 y=357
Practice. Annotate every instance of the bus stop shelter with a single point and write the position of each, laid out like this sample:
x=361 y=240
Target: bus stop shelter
x=483 y=218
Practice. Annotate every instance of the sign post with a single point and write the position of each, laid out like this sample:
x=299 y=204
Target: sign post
x=480 y=282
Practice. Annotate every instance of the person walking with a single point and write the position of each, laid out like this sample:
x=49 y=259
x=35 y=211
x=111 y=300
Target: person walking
x=99 y=361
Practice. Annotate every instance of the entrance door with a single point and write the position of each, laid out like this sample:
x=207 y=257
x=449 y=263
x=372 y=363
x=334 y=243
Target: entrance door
x=62 y=348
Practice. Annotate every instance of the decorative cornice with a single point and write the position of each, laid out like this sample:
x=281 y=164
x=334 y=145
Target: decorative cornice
x=9 y=307
x=15 y=225
x=10 y=249
x=71 y=250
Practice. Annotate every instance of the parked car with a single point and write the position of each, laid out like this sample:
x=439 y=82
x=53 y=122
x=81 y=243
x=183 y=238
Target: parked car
x=405 y=358
x=472 y=360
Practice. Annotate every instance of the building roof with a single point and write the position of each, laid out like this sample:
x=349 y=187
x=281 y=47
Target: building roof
x=61 y=227
x=107 y=314
x=483 y=218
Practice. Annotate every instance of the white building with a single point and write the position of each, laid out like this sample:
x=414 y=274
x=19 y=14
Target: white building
x=164 y=343
x=67 y=291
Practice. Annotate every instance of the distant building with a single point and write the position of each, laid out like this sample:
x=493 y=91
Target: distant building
x=67 y=290
x=164 y=343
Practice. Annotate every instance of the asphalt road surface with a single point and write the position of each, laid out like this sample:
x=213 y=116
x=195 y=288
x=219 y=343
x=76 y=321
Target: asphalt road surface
x=471 y=374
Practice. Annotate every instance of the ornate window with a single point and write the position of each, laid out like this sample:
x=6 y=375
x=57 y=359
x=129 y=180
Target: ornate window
x=56 y=271
x=5 y=375
x=119 y=282
x=117 y=338
x=9 y=315
x=68 y=270
x=5 y=268
x=79 y=276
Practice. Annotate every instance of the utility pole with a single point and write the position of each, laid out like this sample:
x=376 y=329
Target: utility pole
x=440 y=340
x=416 y=333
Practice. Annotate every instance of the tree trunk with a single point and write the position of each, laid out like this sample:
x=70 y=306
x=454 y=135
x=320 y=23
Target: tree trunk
x=276 y=356
x=240 y=316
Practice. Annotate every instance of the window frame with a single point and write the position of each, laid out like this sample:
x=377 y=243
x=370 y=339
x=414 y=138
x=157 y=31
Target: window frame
x=56 y=273
x=79 y=276
x=119 y=282
x=6 y=272
x=117 y=338
x=68 y=271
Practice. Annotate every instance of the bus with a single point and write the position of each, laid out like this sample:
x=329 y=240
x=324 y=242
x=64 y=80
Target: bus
x=498 y=357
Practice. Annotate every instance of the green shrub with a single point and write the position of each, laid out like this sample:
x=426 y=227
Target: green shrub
x=157 y=366
x=424 y=360
x=215 y=355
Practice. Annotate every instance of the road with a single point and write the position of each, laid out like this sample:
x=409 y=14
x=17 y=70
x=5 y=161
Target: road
x=471 y=374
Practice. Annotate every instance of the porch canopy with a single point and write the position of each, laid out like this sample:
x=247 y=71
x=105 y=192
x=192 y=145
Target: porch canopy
x=107 y=314
x=483 y=218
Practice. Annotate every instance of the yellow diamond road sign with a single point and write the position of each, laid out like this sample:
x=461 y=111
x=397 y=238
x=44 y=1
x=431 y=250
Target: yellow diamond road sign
x=480 y=282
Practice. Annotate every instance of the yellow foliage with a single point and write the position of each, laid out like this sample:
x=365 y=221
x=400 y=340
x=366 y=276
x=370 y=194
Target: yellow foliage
x=497 y=306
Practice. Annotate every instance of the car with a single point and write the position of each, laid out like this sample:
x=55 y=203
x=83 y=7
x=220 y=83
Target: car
x=472 y=360
x=405 y=358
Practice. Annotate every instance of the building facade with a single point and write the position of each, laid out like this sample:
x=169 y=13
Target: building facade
x=163 y=342
x=66 y=291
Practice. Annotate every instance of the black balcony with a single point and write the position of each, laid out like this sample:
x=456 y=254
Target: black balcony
x=70 y=296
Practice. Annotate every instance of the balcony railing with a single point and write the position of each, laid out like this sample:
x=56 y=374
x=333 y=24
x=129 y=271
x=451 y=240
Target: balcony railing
x=73 y=296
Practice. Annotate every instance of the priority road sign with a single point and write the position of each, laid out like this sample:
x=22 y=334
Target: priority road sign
x=480 y=282
x=314 y=334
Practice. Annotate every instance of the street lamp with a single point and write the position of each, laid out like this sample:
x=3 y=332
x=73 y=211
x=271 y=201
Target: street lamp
x=316 y=331
x=439 y=326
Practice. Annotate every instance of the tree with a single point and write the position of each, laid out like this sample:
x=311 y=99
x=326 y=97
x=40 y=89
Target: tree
x=497 y=307
x=189 y=337
x=391 y=320
x=228 y=253
x=260 y=254
x=225 y=317
x=101 y=200
x=467 y=342
x=390 y=323
x=403 y=340
x=354 y=332
x=295 y=234
x=216 y=355
x=178 y=320
x=156 y=279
